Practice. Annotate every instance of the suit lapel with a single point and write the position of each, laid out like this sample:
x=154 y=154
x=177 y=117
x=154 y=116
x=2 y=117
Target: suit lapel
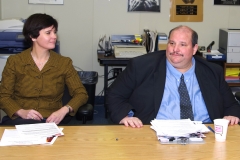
x=204 y=87
x=52 y=62
x=159 y=84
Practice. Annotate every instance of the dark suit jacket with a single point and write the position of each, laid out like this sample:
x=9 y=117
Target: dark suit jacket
x=140 y=88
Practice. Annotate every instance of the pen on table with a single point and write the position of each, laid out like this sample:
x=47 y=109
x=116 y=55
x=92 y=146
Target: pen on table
x=211 y=129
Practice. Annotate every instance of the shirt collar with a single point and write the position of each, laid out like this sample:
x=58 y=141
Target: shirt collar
x=178 y=74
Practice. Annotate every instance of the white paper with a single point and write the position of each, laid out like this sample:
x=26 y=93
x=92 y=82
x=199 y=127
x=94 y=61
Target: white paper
x=39 y=130
x=12 y=137
x=175 y=128
x=202 y=128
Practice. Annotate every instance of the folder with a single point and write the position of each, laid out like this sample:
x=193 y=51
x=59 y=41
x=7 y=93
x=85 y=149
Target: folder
x=214 y=55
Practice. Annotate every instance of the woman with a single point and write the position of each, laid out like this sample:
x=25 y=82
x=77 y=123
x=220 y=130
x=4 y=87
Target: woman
x=33 y=81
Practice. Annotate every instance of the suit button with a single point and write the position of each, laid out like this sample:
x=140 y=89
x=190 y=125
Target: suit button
x=39 y=76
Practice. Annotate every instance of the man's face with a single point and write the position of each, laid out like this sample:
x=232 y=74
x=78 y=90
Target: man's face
x=180 y=50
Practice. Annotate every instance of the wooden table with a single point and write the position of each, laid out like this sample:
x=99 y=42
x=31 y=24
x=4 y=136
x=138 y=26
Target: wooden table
x=120 y=142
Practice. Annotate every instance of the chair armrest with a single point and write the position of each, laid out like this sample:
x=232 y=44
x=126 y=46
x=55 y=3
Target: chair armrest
x=237 y=96
x=86 y=109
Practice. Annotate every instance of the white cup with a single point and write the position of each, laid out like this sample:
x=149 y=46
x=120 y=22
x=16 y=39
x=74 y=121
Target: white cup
x=220 y=127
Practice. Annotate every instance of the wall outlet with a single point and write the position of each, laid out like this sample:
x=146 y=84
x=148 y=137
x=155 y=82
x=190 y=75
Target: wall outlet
x=117 y=71
x=201 y=48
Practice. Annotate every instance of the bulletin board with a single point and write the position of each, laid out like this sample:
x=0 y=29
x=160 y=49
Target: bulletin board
x=186 y=11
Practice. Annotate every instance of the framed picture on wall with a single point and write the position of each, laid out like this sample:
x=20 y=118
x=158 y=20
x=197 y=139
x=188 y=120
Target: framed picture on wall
x=45 y=1
x=144 y=5
x=226 y=2
x=186 y=11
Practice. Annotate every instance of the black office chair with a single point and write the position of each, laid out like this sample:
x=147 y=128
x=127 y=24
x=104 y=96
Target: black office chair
x=237 y=96
x=83 y=111
x=89 y=80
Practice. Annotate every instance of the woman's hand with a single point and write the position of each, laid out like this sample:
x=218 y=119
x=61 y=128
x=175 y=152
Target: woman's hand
x=29 y=114
x=58 y=116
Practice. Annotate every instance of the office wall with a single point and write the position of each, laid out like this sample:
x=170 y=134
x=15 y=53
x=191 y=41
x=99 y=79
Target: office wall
x=82 y=22
x=0 y=9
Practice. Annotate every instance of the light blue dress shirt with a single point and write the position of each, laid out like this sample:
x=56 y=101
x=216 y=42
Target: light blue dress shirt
x=170 y=106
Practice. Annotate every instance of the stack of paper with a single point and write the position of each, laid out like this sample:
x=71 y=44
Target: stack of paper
x=31 y=134
x=167 y=129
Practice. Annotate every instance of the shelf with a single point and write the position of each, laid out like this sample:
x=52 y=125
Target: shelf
x=232 y=74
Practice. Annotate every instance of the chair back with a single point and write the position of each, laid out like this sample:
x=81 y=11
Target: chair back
x=89 y=80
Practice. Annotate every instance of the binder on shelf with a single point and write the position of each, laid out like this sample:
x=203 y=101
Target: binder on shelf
x=155 y=41
x=161 y=42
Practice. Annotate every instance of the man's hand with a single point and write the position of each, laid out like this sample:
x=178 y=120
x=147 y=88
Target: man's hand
x=232 y=120
x=58 y=116
x=29 y=114
x=131 y=121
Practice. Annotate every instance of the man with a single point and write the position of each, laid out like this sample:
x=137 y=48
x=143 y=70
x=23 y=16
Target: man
x=148 y=87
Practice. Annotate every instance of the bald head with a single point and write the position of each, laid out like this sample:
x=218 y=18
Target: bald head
x=194 y=34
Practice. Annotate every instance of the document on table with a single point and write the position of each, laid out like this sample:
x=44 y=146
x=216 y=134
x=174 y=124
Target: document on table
x=175 y=128
x=39 y=129
x=31 y=134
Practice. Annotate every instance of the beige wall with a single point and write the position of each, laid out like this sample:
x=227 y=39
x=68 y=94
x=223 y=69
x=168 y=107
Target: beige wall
x=0 y=9
x=82 y=22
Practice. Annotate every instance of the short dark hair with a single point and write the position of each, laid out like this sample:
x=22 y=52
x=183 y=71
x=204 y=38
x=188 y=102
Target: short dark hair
x=194 y=34
x=35 y=23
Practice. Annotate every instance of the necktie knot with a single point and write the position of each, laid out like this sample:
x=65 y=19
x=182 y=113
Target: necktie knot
x=182 y=78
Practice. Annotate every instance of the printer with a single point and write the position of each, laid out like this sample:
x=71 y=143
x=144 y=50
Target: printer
x=229 y=44
x=11 y=38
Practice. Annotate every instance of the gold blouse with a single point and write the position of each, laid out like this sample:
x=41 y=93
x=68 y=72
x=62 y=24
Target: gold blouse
x=23 y=86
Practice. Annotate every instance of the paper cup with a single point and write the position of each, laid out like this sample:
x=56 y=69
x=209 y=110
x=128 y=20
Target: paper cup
x=221 y=126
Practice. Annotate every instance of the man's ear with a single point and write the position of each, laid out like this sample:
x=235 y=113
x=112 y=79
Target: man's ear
x=195 y=48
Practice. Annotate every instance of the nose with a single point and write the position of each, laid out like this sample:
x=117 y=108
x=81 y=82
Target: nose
x=54 y=35
x=175 y=48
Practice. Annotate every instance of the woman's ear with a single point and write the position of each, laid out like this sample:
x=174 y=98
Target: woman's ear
x=33 y=39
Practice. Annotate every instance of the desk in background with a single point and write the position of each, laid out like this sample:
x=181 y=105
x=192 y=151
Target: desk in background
x=120 y=142
x=106 y=62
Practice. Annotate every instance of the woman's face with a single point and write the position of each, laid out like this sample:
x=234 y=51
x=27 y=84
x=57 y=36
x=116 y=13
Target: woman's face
x=46 y=39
